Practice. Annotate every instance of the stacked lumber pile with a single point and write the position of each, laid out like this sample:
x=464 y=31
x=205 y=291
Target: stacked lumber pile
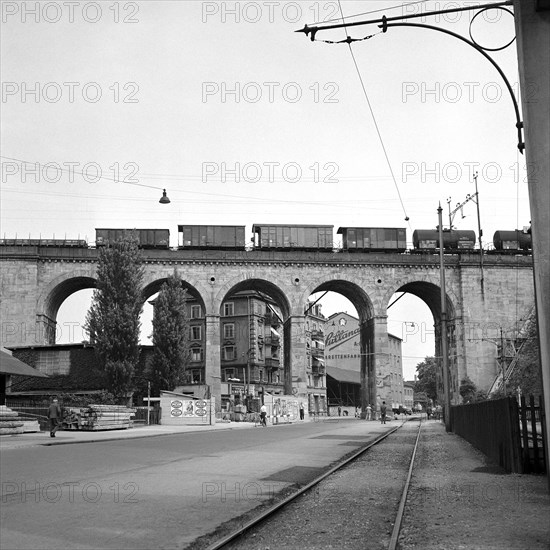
x=30 y=425
x=106 y=417
x=9 y=422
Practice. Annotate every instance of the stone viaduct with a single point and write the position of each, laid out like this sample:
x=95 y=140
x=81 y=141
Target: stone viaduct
x=35 y=282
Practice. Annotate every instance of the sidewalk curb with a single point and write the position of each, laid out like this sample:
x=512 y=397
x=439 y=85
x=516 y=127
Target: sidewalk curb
x=21 y=444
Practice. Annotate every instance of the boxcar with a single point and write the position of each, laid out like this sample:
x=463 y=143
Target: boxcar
x=373 y=239
x=512 y=240
x=295 y=237
x=428 y=239
x=147 y=238
x=212 y=237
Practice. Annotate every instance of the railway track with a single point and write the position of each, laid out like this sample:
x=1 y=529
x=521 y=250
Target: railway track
x=357 y=488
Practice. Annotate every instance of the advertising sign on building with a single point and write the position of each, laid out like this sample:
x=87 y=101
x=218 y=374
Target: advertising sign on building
x=180 y=409
x=282 y=408
x=189 y=408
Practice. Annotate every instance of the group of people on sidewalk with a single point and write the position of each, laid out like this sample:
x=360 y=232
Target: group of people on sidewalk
x=369 y=412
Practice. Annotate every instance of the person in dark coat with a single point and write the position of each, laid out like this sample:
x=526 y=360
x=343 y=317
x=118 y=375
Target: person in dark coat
x=54 y=414
x=383 y=412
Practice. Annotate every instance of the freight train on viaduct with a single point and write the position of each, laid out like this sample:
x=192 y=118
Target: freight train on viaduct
x=37 y=277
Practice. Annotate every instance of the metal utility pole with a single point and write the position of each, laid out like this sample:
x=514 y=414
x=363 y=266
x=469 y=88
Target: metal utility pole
x=479 y=231
x=503 y=361
x=148 y=402
x=444 y=347
x=474 y=198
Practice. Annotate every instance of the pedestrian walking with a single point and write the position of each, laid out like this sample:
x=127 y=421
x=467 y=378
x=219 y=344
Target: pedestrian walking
x=383 y=410
x=339 y=411
x=369 y=412
x=263 y=416
x=301 y=410
x=54 y=414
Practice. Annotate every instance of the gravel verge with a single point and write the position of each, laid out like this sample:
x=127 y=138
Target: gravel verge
x=458 y=499
x=352 y=509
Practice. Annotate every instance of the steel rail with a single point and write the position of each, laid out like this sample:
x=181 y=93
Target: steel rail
x=270 y=511
x=401 y=509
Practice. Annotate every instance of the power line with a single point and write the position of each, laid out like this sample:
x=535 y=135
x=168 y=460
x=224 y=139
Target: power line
x=72 y=171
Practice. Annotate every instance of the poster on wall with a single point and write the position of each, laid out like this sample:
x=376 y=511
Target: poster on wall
x=286 y=407
x=187 y=408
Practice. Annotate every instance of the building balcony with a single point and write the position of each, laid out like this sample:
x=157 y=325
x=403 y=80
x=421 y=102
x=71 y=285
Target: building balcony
x=318 y=369
x=272 y=340
x=271 y=319
x=317 y=335
x=317 y=352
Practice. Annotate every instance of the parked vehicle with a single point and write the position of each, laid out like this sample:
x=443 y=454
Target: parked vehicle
x=211 y=236
x=427 y=240
x=147 y=238
x=301 y=237
x=373 y=239
x=512 y=241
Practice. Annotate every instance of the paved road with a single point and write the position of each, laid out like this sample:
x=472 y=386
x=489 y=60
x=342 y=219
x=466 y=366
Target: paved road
x=160 y=492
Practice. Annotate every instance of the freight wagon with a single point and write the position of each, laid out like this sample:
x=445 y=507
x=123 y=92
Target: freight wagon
x=212 y=237
x=147 y=238
x=373 y=239
x=453 y=240
x=295 y=237
x=512 y=240
x=73 y=243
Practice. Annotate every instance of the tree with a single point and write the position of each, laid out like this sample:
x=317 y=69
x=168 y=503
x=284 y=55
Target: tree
x=170 y=336
x=528 y=375
x=426 y=378
x=113 y=319
x=467 y=390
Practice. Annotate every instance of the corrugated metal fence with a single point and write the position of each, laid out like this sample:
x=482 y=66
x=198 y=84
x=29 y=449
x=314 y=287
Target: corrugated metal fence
x=509 y=433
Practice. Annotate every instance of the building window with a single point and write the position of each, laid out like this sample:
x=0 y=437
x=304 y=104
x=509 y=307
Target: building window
x=229 y=373
x=196 y=312
x=229 y=330
x=196 y=376
x=195 y=332
x=196 y=354
x=228 y=309
x=260 y=353
x=229 y=353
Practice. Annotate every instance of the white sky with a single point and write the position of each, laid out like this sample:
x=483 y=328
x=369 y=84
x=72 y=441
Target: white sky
x=163 y=120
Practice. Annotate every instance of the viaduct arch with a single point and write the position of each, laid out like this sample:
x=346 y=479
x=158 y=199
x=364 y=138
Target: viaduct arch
x=36 y=282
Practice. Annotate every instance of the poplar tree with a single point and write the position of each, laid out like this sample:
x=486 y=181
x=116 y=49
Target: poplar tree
x=113 y=321
x=170 y=336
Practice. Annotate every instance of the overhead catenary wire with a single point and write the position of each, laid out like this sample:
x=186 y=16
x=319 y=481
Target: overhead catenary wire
x=375 y=122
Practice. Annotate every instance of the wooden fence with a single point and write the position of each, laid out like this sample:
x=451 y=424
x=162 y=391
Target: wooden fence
x=532 y=433
x=510 y=434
